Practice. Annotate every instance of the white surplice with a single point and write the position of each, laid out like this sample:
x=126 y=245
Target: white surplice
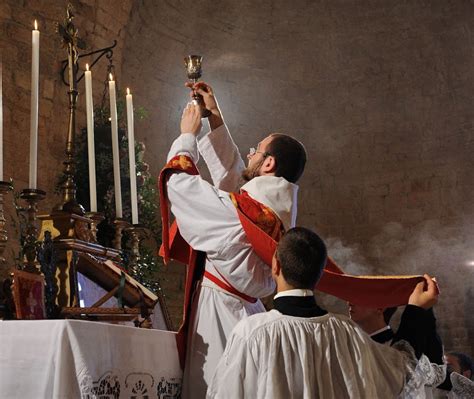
x=209 y=222
x=271 y=355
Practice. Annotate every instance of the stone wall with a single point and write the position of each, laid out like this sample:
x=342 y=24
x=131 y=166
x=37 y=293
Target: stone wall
x=379 y=92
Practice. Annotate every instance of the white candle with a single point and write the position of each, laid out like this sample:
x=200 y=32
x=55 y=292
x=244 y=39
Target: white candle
x=35 y=38
x=115 y=147
x=1 y=119
x=90 y=139
x=131 y=156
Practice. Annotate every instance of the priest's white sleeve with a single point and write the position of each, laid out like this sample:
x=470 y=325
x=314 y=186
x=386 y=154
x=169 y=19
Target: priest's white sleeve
x=236 y=373
x=205 y=215
x=222 y=158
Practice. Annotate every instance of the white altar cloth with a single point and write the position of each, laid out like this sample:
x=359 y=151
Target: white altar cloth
x=81 y=359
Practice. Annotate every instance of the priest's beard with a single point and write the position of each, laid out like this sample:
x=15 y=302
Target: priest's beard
x=250 y=172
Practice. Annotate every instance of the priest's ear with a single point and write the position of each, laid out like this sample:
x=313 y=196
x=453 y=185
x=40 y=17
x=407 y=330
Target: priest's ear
x=276 y=267
x=268 y=165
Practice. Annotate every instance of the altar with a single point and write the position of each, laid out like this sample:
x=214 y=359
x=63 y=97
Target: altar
x=82 y=359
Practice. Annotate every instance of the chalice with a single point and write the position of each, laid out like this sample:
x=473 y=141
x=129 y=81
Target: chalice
x=193 y=65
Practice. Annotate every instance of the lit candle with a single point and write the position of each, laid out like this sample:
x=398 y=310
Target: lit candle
x=131 y=156
x=115 y=147
x=35 y=38
x=90 y=139
x=1 y=119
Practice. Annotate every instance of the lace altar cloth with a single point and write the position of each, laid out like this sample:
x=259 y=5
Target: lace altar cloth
x=87 y=360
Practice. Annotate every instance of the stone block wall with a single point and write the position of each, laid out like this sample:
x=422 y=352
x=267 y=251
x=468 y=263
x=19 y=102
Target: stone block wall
x=380 y=94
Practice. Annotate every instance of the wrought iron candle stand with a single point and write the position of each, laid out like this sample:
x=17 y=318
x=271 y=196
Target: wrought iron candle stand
x=30 y=245
x=138 y=232
x=5 y=187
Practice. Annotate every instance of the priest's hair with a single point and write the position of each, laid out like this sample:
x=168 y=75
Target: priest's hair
x=302 y=255
x=289 y=154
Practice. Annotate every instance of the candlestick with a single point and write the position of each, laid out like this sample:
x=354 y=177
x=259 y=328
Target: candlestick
x=96 y=218
x=115 y=148
x=90 y=139
x=120 y=226
x=131 y=156
x=34 y=106
x=1 y=118
x=30 y=246
x=138 y=233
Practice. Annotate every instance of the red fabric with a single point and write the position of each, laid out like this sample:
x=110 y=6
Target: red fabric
x=175 y=247
x=373 y=291
x=370 y=291
x=227 y=287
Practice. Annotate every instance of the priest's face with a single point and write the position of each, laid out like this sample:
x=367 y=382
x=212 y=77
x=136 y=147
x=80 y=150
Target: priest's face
x=256 y=158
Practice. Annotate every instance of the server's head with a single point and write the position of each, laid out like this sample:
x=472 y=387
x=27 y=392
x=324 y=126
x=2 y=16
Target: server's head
x=299 y=259
x=460 y=363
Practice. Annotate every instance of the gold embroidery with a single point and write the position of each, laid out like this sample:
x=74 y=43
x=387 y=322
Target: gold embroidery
x=182 y=162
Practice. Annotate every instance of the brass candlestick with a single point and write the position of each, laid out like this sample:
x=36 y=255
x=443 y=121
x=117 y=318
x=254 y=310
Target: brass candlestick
x=138 y=232
x=30 y=245
x=96 y=218
x=193 y=65
x=72 y=42
x=5 y=187
x=120 y=226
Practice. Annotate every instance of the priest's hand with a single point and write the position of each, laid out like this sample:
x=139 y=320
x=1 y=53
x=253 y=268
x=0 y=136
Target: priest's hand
x=191 y=119
x=425 y=294
x=210 y=102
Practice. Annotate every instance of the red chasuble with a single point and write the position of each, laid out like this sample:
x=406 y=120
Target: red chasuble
x=264 y=229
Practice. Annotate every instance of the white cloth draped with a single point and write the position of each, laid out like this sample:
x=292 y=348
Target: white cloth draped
x=209 y=222
x=79 y=359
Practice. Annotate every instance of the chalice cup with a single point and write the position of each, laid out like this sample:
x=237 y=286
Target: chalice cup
x=193 y=65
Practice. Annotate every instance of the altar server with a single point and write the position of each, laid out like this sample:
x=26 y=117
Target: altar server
x=299 y=350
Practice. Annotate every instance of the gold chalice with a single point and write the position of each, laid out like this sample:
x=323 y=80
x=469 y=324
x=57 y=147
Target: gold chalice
x=193 y=65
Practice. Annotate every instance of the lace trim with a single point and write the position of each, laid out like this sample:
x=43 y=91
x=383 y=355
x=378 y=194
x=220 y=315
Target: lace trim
x=463 y=387
x=420 y=373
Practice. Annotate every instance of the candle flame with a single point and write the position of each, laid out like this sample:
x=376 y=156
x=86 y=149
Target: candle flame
x=111 y=77
x=36 y=25
x=87 y=67
x=128 y=91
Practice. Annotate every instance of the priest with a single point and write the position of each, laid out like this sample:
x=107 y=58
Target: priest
x=225 y=275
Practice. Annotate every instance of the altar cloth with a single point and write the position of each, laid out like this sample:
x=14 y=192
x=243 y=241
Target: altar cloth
x=87 y=360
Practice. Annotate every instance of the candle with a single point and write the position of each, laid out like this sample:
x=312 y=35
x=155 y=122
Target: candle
x=34 y=106
x=115 y=147
x=90 y=139
x=1 y=119
x=131 y=156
